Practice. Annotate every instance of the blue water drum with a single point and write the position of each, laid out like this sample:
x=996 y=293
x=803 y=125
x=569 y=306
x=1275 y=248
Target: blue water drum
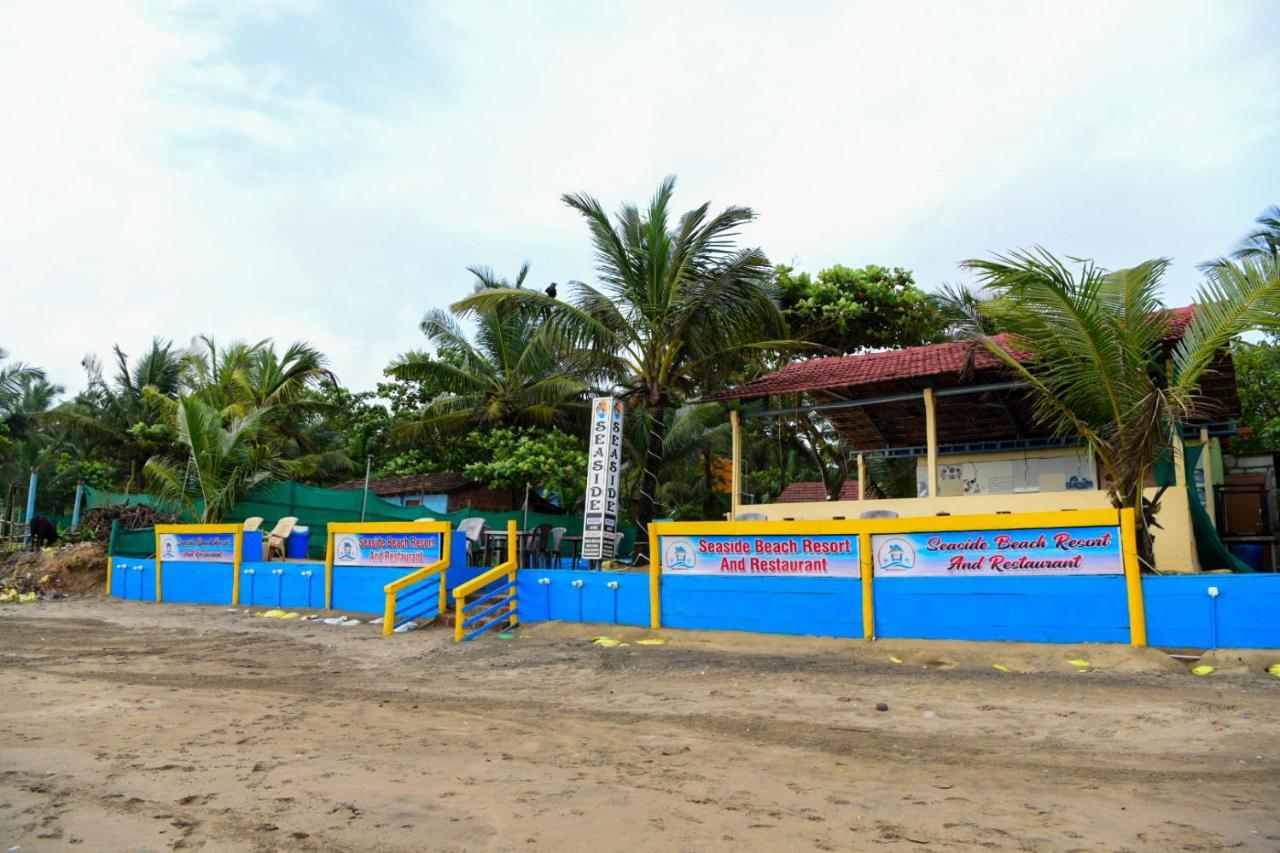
x=1251 y=553
x=251 y=549
x=295 y=547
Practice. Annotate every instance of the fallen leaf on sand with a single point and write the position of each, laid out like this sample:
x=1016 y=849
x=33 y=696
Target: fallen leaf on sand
x=1203 y=669
x=1001 y=667
x=895 y=659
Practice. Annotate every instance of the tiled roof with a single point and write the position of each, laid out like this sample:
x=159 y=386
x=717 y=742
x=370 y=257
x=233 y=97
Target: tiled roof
x=952 y=357
x=412 y=484
x=814 y=491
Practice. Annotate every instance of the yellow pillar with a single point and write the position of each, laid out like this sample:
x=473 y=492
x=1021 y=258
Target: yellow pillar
x=868 y=579
x=513 y=560
x=735 y=473
x=159 y=597
x=862 y=477
x=655 y=579
x=931 y=441
x=1206 y=465
x=1133 y=578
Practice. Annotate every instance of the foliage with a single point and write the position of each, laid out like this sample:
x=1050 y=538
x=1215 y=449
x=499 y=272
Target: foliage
x=1258 y=379
x=546 y=459
x=679 y=308
x=1259 y=244
x=1098 y=339
x=224 y=460
x=848 y=309
x=512 y=374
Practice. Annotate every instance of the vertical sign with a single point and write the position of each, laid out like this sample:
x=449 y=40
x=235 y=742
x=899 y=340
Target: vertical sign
x=604 y=459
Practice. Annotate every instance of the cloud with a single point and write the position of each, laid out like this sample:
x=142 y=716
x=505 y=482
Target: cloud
x=322 y=171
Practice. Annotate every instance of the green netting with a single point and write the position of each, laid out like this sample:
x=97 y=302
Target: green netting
x=315 y=508
x=131 y=543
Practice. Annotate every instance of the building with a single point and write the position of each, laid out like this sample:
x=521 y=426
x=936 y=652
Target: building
x=449 y=492
x=955 y=408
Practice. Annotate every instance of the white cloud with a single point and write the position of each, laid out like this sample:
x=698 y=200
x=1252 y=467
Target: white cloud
x=300 y=170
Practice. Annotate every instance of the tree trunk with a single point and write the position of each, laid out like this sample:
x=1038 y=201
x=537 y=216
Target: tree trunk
x=647 y=505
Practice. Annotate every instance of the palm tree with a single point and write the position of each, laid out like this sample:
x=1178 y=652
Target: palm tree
x=678 y=308
x=1102 y=370
x=223 y=461
x=1261 y=242
x=513 y=374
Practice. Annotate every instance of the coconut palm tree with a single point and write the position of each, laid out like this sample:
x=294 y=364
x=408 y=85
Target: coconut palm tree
x=223 y=461
x=512 y=374
x=679 y=306
x=1102 y=369
x=1261 y=242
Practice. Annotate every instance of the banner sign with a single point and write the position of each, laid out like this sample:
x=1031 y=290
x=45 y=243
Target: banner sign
x=198 y=547
x=386 y=549
x=1038 y=551
x=757 y=556
x=604 y=461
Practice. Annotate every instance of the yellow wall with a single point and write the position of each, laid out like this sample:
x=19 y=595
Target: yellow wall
x=1174 y=545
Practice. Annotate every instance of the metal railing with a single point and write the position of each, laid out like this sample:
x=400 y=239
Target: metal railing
x=436 y=570
x=499 y=603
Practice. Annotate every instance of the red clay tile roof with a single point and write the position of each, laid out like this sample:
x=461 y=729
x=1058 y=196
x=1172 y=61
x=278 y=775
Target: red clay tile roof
x=814 y=491
x=951 y=358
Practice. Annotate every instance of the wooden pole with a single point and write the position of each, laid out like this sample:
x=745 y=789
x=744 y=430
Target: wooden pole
x=735 y=474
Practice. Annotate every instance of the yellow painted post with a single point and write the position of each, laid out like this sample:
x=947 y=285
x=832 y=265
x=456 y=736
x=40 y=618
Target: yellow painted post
x=158 y=561
x=445 y=544
x=735 y=473
x=868 y=579
x=862 y=477
x=237 y=556
x=931 y=441
x=328 y=569
x=513 y=560
x=109 y=566
x=1133 y=578
x=459 y=610
x=389 y=615
x=655 y=579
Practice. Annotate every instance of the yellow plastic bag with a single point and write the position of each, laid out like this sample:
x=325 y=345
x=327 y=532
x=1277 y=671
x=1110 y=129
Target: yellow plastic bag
x=895 y=659
x=9 y=595
x=607 y=642
x=1079 y=662
x=1274 y=669
x=1001 y=667
x=26 y=597
x=651 y=641
x=1203 y=669
x=272 y=614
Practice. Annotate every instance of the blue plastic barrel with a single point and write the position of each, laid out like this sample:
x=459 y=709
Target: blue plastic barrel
x=251 y=550
x=1251 y=553
x=295 y=547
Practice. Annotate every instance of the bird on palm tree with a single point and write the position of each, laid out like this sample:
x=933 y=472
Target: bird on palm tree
x=679 y=305
x=513 y=373
x=1102 y=369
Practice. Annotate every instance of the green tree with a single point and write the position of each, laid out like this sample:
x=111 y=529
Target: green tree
x=679 y=306
x=223 y=460
x=846 y=309
x=1258 y=379
x=1260 y=243
x=513 y=374
x=546 y=459
x=1098 y=340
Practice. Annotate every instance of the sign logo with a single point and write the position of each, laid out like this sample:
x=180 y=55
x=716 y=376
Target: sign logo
x=680 y=555
x=896 y=554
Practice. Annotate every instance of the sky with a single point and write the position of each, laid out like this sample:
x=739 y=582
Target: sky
x=326 y=171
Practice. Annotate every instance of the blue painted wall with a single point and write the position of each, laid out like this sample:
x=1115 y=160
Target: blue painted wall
x=1037 y=610
x=593 y=601
x=133 y=578
x=1245 y=614
x=822 y=607
x=196 y=583
x=280 y=584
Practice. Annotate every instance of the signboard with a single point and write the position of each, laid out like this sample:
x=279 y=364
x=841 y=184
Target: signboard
x=604 y=461
x=761 y=556
x=198 y=547
x=386 y=549
x=1038 y=551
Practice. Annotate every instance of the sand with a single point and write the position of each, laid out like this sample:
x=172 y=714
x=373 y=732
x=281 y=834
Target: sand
x=144 y=727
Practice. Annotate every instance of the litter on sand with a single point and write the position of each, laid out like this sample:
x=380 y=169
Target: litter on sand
x=506 y=636
x=651 y=641
x=404 y=627
x=277 y=613
x=895 y=659
x=1079 y=662
x=607 y=642
x=1274 y=669
x=1203 y=669
x=1001 y=667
